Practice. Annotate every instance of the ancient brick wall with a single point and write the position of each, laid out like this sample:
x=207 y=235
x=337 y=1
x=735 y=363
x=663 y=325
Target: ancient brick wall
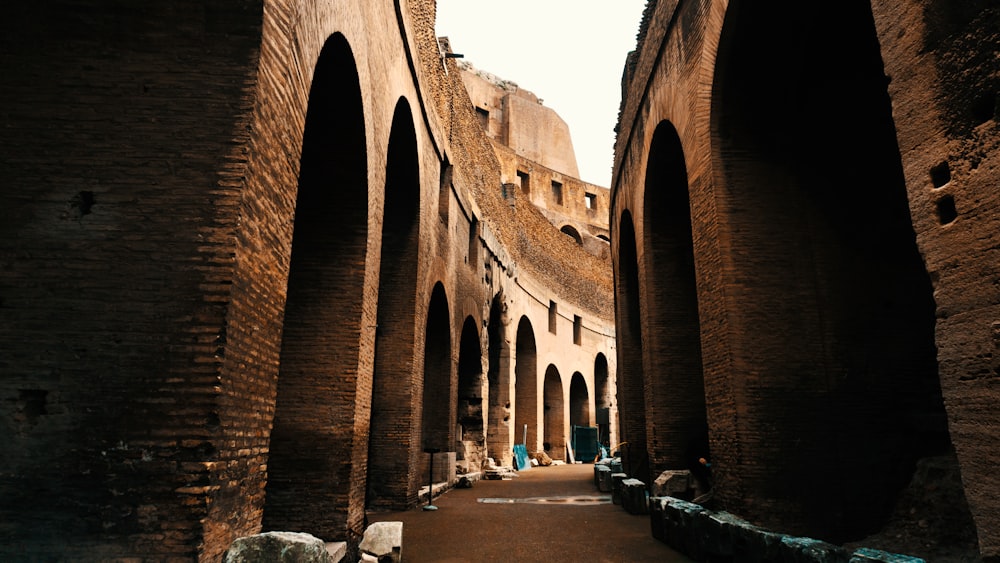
x=119 y=232
x=223 y=230
x=844 y=292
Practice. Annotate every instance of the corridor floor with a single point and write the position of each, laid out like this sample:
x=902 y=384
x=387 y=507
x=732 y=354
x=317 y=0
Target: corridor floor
x=544 y=514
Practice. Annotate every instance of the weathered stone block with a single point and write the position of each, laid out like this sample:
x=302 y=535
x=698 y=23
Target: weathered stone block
x=868 y=555
x=597 y=470
x=671 y=483
x=383 y=540
x=270 y=547
x=634 y=496
x=616 y=487
x=616 y=465
x=657 y=525
x=808 y=550
x=603 y=478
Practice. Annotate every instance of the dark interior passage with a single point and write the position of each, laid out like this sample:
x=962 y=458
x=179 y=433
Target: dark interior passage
x=631 y=386
x=471 y=443
x=554 y=405
x=390 y=439
x=439 y=398
x=835 y=368
x=676 y=418
x=310 y=463
x=526 y=387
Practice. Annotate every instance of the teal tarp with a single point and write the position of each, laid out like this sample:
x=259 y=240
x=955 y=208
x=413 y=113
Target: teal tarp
x=584 y=443
x=521 y=460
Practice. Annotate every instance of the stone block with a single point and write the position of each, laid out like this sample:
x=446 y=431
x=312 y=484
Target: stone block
x=616 y=465
x=604 y=478
x=383 y=540
x=272 y=547
x=808 y=550
x=616 y=487
x=673 y=483
x=678 y=522
x=597 y=471
x=634 y=496
x=657 y=516
x=868 y=555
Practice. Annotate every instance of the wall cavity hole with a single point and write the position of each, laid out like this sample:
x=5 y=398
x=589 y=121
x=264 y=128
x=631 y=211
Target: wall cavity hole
x=32 y=403
x=941 y=174
x=947 y=213
x=83 y=202
x=985 y=108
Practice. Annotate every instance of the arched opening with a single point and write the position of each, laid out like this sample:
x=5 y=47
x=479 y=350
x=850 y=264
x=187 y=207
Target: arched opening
x=579 y=401
x=602 y=400
x=572 y=233
x=471 y=442
x=676 y=417
x=554 y=441
x=311 y=466
x=498 y=435
x=631 y=390
x=439 y=397
x=388 y=451
x=833 y=357
x=526 y=387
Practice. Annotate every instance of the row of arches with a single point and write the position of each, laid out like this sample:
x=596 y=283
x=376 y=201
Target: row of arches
x=362 y=397
x=774 y=314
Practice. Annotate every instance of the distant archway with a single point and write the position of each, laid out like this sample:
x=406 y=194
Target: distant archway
x=602 y=399
x=676 y=415
x=554 y=407
x=311 y=461
x=572 y=233
x=631 y=386
x=526 y=387
x=439 y=397
x=579 y=401
x=388 y=451
x=471 y=443
x=498 y=434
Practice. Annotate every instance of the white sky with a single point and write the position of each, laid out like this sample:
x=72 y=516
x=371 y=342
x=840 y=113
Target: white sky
x=569 y=53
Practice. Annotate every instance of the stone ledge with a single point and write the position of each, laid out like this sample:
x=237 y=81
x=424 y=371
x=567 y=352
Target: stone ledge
x=704 y=534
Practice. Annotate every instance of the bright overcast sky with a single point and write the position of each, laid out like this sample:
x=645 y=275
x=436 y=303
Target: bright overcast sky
x=569 y=53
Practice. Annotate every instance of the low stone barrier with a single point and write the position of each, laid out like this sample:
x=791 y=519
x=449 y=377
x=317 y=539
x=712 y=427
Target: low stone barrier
x=634 y=498
x=603 y=478
x=616 y=487
x=703 y=534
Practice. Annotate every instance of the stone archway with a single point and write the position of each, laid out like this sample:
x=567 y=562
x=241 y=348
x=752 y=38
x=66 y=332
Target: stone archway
x=833 y=365
x=388 y=450
x=554 y=409
x=311 y=466
x=675 y=408
x=471 y=443
x=526 y=387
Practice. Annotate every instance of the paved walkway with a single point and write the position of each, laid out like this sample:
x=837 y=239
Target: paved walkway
x=545 y=514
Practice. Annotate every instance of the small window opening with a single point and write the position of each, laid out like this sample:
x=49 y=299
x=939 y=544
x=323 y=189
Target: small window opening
x=474 y=242
x=525 y=181
x=577 y=330
x=444 y=191
x=484 y=118
x=557 y=192
x=590 y=200
x=985 y=108
x=553 y=315
x=941 y=174
x=947 y=213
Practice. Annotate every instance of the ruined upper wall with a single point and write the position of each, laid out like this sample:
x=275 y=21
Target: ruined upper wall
x=516 y=118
